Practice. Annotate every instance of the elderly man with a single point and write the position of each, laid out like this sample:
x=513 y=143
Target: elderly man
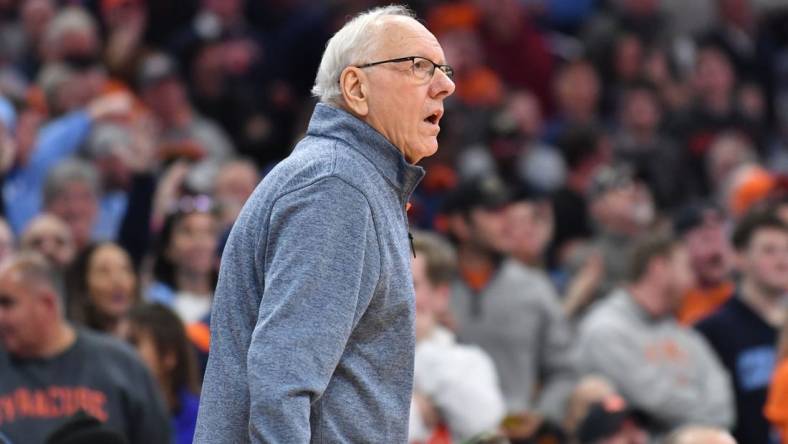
x=314 y=309
x=52 y=370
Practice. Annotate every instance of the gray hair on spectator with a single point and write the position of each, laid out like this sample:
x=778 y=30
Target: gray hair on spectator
x=440 y=258
x=35 y=271
x=52 y=77
x=69 y=19
x=350 y=45
x=105 y=138
x=71 y=170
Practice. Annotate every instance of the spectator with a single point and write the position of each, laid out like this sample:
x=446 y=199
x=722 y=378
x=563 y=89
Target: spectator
x=701 y=227
x=233 y=185
x=185 y=263
x=743 y=331
x=43 y=359
x=72 y=34
x=678 y=379
x=530 y=227
x=700 y=435
x=577 y=92
x=641 y=143
x=506 y=309
x=102 y=288
x=455 y=385
x=584 y=150
x=611 y=421
x=161 y=341
x=621 y=209
x=49 y=236
x=57 y=140
x=184 y=133
x=72 y=192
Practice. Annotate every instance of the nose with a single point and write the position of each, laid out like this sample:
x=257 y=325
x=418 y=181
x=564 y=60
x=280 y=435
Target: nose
x=442 y=86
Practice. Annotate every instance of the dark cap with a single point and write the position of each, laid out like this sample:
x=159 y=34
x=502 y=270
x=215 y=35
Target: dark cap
x=604 y=419
x=694 y=215
x=486 y=191
x=154 y=69
x=82 y=428
x=609 y=178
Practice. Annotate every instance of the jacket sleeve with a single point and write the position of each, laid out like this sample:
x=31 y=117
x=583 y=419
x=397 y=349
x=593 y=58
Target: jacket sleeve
x=320 y=251
x=558 y=369
x=650 y=388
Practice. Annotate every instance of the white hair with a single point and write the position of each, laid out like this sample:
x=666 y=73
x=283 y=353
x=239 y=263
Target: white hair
x=69 y=19
x=349 y=46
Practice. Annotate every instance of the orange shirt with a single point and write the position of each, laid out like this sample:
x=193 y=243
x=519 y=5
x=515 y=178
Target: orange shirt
x=776 y=408
x=701 y=302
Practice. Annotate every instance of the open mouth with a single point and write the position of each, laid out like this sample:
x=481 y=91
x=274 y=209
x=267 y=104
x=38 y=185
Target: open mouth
x=434 y=118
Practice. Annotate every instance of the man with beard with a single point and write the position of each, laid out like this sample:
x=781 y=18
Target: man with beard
x=701 y=227
x=665 y=370
x=504 y=308
x=743 y=331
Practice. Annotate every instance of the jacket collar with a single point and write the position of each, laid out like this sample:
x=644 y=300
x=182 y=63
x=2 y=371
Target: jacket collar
x=328 y=121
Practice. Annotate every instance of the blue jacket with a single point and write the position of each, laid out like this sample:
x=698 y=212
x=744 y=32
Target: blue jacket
x=23 y=186
x=312 y=325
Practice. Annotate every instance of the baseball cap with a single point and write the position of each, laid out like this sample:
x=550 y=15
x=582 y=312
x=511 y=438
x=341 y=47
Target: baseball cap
x=693 y=215
x=487 y=191
x=604 y=419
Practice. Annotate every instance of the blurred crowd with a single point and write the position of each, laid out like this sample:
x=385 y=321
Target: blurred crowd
x=601 y=240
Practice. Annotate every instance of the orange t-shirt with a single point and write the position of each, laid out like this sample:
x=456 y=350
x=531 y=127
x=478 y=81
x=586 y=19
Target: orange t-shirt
x=776 y=408
x=701 y=302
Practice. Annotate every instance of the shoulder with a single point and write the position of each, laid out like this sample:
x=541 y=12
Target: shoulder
x=723 y=317
x=605 y=318
x=111 y=352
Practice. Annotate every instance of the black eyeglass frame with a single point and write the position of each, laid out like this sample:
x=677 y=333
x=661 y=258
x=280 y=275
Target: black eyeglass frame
x=446 y=69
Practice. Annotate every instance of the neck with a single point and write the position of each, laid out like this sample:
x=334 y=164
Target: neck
x=192 y=282
x=648 y=297
x=472 y=257
x=767 y=304
x=59 y=338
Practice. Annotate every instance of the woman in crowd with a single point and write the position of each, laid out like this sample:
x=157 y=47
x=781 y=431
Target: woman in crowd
x=185 y=261
x=160 y=339
x=102 y=288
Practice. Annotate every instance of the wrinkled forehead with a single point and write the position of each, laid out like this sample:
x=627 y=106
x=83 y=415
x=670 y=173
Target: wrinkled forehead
x=400 y=36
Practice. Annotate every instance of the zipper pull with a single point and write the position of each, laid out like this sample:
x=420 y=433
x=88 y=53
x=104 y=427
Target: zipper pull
x=412 y=249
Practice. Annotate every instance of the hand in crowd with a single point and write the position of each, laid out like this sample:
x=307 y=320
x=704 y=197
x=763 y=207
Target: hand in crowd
x=112 y=105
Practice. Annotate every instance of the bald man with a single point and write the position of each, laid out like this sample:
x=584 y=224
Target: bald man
x=50 y=370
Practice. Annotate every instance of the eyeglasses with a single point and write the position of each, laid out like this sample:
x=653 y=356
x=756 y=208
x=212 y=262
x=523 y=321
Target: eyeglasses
x=423 y=68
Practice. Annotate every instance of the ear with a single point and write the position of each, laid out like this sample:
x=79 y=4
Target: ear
x=459 y=226
x=353 y=84
x=658 y=267
x=50 y=301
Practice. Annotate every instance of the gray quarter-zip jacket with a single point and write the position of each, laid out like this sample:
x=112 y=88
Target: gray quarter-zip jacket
x=312 y=334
